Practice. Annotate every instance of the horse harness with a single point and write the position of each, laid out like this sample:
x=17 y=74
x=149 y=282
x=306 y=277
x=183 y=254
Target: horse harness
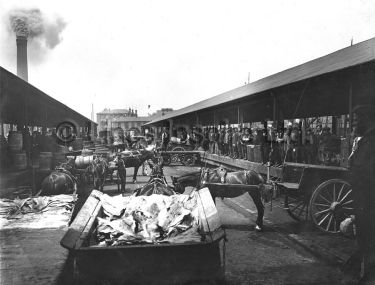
x=222 y=174
x=68 y=173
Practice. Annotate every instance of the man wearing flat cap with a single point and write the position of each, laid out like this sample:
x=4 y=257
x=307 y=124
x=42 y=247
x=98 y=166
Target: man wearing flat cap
x=362 y=171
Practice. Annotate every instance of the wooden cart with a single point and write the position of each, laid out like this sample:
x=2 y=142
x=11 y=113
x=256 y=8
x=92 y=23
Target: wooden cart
x=146 y=263
x=318 y=193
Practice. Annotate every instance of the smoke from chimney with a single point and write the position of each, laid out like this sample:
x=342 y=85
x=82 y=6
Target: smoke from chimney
x=36 y=32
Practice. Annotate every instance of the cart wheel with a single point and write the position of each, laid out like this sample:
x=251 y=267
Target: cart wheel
x=330 y=204
x=177 y=157
x=188 y=160
x=166 y=159
x=296 y=206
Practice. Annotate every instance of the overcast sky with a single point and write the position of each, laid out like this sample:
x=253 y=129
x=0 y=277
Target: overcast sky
x=120 y=54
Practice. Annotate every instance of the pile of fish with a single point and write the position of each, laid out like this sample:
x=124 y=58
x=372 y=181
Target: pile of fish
x=148 y=219
x=36 y=212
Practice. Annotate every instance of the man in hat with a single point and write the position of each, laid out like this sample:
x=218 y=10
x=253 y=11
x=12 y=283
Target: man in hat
x=362 y=171
x=121 y=170
x=164 y=139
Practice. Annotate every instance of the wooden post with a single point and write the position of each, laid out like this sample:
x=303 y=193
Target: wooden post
x=170 y=127
x=350 y=110
x=238 y=115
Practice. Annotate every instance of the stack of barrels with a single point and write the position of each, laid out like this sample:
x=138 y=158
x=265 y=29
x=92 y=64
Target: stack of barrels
x=17 y=154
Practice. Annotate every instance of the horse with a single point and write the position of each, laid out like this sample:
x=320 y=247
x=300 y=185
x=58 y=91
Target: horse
x=98 y=169
x=136 y=159
x=62 y=180
x=157 y=183
x=220 y=175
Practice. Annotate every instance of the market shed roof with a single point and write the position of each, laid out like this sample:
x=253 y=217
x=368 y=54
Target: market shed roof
x=347 y=57
x=22 y=103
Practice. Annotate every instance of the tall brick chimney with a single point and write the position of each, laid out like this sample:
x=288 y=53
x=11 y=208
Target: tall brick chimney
x=22 y=57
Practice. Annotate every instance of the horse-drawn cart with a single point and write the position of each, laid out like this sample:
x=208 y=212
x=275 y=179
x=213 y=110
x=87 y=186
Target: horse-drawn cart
x=162 y=263
x=186 y=157
x=180 y=152
x=318 y=193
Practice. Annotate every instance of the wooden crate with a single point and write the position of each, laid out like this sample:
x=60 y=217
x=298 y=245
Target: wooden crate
x=146 y=263
x=257 y=154
x=250 y=152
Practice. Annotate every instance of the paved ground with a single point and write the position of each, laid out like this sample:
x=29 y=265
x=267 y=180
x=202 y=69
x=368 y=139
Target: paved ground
x=284 y=253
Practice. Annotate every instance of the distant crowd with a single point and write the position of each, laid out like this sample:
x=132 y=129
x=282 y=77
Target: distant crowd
x=317 y=146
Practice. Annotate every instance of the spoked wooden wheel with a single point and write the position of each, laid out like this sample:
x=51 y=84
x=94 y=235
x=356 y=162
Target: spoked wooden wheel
x=166 y=159
x=177 y=157
x=330 y=204
x=188 y=160
x=296 y=206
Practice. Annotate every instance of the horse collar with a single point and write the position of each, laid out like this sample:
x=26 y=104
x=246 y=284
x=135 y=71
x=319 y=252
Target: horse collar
x=222 y=173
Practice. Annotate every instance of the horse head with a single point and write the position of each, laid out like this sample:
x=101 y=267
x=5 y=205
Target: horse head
x=177 y=186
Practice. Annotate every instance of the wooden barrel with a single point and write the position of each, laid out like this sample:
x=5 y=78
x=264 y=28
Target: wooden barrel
x=58 y=158
x=19 y=161
x=250 y=152
x=45 y=160
x=104 y=154
x=257 y=154
x=83 y=161
x=77 y=144
x=87 y=152
x=15 y=141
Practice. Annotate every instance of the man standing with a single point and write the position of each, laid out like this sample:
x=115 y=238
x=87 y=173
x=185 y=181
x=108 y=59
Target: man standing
x=164 y=139
x=121 y=170
x=362 y=171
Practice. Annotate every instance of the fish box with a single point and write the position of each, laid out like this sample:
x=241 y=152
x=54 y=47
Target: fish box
x=163 y=263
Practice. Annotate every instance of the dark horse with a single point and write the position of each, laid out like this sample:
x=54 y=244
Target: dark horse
x=136 y=158
x=60 y=181
x=98 y=169
x=157 y=183
x=221 y=176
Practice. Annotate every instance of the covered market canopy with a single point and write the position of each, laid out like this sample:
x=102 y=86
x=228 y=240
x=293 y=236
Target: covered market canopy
x=325 y=86
x=22 y=103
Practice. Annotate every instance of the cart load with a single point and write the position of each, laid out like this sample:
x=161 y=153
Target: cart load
x=148 y=219
x=37 y=212
x=182 y=240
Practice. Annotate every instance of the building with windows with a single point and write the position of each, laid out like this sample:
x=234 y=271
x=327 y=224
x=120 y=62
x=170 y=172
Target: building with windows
x=126 y=119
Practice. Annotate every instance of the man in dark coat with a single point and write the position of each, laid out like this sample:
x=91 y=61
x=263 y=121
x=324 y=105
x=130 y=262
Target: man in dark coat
x=121 y=172
x=362 y=171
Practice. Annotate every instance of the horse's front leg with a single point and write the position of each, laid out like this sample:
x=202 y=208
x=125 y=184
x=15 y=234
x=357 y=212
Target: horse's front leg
x=255 y=195
x=135 y=173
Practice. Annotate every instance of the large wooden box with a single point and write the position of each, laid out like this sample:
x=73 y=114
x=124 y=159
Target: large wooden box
x=145 y=264
x=257 y=154
x=250 y=152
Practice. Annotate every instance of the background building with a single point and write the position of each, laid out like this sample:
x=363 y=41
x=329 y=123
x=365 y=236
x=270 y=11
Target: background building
x=126 y=119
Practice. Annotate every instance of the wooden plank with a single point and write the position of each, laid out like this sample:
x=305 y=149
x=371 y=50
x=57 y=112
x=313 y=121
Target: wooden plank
x=89 y=227
x=180 y=152
x=208 y=213
x=72 y=236
x=315 y=166
x=232 y=186
x=288 y=185
x=239 y=164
